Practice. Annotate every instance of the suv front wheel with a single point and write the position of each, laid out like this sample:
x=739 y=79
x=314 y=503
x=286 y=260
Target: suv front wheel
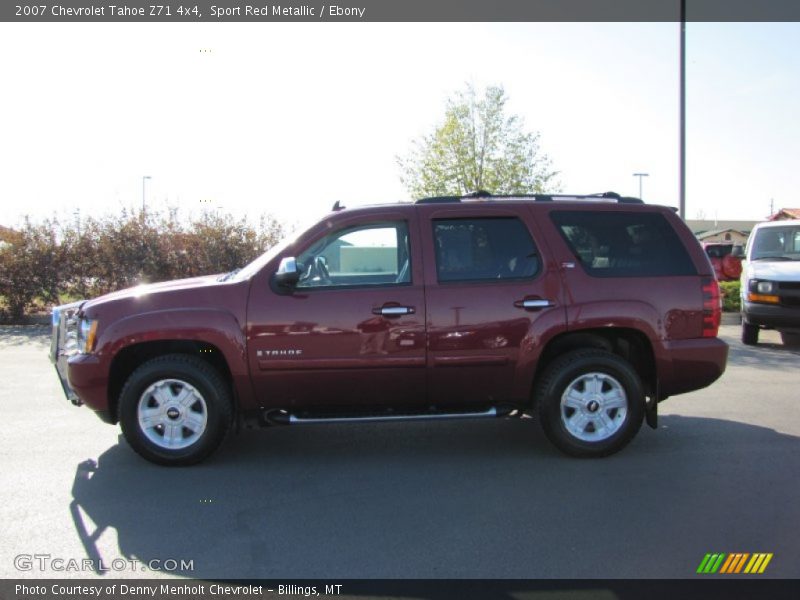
x=590 y=402
x=175 y=410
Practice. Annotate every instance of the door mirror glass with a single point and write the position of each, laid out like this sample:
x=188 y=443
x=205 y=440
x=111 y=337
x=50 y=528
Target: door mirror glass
x=287 y=274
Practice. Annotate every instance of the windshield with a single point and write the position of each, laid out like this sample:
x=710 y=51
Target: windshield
x=776 y=243
x=254 y=267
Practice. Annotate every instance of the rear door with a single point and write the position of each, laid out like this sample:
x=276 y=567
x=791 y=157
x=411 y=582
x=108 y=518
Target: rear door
x=490 y=296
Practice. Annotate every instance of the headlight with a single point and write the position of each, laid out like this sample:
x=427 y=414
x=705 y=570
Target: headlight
x=763 y=292
x=764 y=287
x=87 y=329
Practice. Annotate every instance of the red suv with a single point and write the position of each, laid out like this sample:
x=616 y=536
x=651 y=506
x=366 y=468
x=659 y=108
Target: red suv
x=586 y=310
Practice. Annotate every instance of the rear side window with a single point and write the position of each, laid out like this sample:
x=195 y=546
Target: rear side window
x=624 y=244
x=484 y=249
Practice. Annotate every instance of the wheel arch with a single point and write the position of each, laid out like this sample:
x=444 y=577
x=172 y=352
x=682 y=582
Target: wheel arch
x=630 y=344
x=132 y=356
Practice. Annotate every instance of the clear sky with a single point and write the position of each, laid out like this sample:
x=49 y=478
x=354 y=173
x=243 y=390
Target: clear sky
x=286 y=118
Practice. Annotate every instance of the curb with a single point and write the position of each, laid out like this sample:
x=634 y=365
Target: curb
x=731 y=318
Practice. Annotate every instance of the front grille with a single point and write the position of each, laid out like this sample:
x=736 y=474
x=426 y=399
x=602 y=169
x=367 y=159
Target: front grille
x=792 y=301
x=65 y=344
x=789 y=285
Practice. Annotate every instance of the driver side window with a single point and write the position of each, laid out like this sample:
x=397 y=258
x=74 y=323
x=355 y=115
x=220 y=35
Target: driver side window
x=364 y=255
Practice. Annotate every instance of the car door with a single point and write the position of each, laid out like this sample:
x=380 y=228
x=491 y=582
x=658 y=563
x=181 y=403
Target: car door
x=352 y=331
x=489 y=296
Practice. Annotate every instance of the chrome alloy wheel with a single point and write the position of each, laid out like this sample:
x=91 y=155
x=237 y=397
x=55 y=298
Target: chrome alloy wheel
x=172 y=414
x=594 y=407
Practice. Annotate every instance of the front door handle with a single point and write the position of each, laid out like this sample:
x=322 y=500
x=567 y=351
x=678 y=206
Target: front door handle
x=534 y=303
x=393 y=310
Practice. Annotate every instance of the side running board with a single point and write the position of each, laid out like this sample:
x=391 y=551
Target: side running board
x=285 y=418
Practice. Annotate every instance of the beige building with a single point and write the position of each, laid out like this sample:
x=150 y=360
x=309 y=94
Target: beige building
x=735 y=232
x=730 y=236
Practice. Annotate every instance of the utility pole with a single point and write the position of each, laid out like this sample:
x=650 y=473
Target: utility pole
x=682 y=163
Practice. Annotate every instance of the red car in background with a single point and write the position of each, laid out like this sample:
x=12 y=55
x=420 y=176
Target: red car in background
x=726 y=266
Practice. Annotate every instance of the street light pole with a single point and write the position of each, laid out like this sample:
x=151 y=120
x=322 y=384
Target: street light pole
x=144 y=178
x=682 y=151
x=640 y=175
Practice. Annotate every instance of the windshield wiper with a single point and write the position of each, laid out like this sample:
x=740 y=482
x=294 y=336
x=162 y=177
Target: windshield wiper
x=781 y=257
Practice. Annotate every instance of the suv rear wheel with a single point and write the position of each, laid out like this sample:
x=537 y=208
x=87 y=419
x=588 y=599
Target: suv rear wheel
x=590 y=402
x=175 y=410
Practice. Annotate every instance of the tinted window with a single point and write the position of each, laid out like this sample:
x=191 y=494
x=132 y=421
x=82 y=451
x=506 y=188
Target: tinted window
x=374 y=254
x=624 y=244
x=477 y=249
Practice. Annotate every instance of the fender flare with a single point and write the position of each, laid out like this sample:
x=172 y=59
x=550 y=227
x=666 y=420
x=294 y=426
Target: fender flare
x=216 y=327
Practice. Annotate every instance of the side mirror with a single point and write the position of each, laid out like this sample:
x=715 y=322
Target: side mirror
x=287 y=275
x=738 y=251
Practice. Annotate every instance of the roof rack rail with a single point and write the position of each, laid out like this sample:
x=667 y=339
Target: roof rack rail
x=484 y=195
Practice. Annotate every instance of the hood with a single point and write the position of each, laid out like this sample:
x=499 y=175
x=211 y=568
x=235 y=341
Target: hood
x=774 y=270
x=148 y=290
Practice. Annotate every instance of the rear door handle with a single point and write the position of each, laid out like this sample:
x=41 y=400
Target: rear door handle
x=534 y=303
x=393 y=311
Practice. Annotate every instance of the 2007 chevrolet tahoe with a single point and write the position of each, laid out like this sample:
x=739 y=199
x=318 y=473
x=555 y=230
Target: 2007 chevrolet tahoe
x=586 y=310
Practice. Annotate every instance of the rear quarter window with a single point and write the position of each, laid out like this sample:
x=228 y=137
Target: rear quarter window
x=624 y=244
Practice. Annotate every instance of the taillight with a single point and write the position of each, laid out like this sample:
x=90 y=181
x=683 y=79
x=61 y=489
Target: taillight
x=712 y=307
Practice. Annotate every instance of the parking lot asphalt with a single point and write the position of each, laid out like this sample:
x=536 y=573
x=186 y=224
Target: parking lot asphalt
x=452 y=499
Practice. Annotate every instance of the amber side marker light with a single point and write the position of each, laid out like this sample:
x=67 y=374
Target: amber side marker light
x=90 y=338
x=763 y=298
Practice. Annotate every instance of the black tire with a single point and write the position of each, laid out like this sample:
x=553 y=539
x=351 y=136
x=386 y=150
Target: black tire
x=790 y=339
x=211 y=404
x=611 y=373
x=749 y=334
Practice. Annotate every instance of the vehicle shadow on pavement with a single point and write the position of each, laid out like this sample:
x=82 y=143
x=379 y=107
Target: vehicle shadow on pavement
x=449 y=500
x=764 y=356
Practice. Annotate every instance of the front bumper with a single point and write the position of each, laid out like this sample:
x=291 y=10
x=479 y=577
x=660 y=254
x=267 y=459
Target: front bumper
x=82 y=376
x=772 y=316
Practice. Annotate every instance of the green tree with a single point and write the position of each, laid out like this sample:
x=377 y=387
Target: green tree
x=477 y=147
